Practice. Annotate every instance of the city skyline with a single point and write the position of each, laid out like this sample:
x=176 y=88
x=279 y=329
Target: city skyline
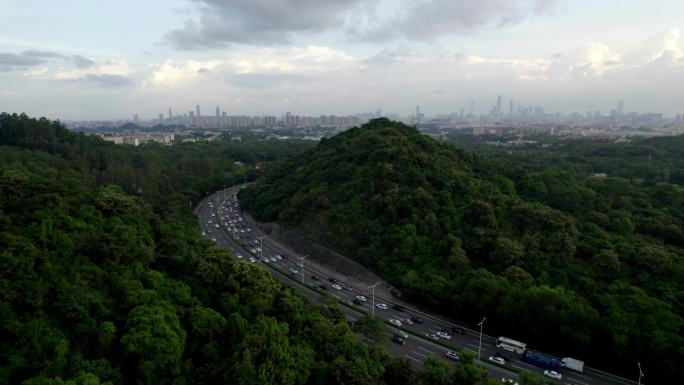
x=339 y=57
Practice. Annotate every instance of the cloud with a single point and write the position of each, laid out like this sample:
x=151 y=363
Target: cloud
x=266 y=22
x=426 y=20
x=261 y=81
x=106 y=80
x=41 y=54
x=81 y=62
x=11 y=61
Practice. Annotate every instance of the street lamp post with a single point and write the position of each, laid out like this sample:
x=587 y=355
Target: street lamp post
x=479 y=347
x=372 y=287
x=303 y=258
x=261 y=248
x=641 y=374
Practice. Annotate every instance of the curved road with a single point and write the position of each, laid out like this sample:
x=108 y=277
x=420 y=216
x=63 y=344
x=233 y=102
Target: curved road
x=221 y=221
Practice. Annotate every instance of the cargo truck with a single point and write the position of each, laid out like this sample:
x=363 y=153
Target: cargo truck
x=573 y=364
x=541 y=360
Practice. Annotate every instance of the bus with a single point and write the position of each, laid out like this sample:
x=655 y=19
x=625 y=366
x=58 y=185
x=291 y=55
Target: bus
x=399 y=337
x=510 y=345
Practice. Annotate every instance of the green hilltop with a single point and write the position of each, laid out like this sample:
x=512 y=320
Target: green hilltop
x=565 y=261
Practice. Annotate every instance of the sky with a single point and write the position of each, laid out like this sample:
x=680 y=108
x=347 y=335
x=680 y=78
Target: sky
x=103 y=59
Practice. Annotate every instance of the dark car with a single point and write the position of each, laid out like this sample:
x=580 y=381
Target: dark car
x=458 y=330
x=417 y=320
x=315 y=277
x=323 y=286
x=357 y=302
x=398 y=307
x=332 y=280
x=504 y=355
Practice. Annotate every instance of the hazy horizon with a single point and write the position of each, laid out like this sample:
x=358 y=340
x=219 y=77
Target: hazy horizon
x=84 y=60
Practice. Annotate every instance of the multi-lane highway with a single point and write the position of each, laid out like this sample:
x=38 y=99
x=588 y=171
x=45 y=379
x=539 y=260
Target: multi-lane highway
x=221 y=221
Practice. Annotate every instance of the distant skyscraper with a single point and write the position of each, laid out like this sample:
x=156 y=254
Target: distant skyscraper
x=198 y=111
x=217 y=112
x=170 y=115
x=510 y=108
x=135 y=118
x=161 y=118
x=621 y=107
x=417 y=119
x=472 y=106
x=499 y=100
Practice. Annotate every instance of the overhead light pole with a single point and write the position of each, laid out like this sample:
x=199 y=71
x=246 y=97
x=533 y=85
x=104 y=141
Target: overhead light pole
x=372 y=287
x=641 y=374
x=479 y=347
x=303 y=258
x=261 y=248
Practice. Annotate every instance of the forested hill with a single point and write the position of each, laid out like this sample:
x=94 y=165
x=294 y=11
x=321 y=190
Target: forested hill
x=574 y=265
x=98 y=285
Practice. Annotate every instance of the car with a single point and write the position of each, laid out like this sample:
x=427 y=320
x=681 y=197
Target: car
x=553 y=374
x=239 y=256
x=332 y=280
x=252 y=259
x=213 y=239
x=395 y=322
x=272 y=259
x=444 y=335
x=407 y=321
x=361 y=298
x=300 y=264
x=417 y=320
x=278 y=257
x=293 y=270
x=432 y=335
x=315 y=277
x=258 y=249
x=323 y=286
x=248 y=230
x=498 y=360
x=357 y=302
x=398 y=307
x=204 y=233
x=509 y=381
x=504 y=355
x=265 y=260
x=336 y=287
x=347 y=288
x=253 y=251
x=458 y=330
x=381 y=306
x=450 y=354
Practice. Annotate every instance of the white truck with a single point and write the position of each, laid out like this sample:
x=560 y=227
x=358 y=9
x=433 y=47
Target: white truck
x=573 y=364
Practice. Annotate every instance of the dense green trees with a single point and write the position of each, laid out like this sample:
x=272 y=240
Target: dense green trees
x=106 y=280
x=531 y=239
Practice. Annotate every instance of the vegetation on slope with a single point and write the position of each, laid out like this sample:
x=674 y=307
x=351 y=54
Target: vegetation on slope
x=562 y=260
x=105 y=278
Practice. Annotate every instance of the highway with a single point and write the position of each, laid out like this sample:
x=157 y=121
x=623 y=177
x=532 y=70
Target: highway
x=221 y=221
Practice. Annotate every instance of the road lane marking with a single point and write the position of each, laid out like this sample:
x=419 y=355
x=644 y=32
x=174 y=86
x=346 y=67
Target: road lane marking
x=420 y=354
x=414 y=359
x=427 y=350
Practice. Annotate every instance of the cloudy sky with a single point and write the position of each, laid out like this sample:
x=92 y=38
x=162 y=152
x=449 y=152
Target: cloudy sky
x=103 y=59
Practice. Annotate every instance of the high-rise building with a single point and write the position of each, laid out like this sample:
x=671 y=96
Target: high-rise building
x=217 y=112
x=170 y=115
x=198 y=111
x=161 y=118
x=135 y=118
x=499 y=100
x=472 y=107
x=621 y=107
x=510 y=108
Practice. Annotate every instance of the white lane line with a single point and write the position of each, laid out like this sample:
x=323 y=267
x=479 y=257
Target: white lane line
x=475 y=346
x=577 y=381
x=427 y=350
x=519 y=367
x=414 y=359
x=470 y=350
x=420 y=354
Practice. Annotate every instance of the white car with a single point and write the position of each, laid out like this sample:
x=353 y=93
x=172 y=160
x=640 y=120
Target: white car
x=381 y=306
x=293 y=270
x=361 y=298
x=498 y=360
x=336 y=287
x=253 y=251
x=213 y=239
x=452 y=355
x=239 y=256
x=258 y=249
x=272 y=259
x=252 y=259
x=444 y=335
x=553 y=374
x=509 y=381
x=407 y=321
x=279 y=257
x=395 y=322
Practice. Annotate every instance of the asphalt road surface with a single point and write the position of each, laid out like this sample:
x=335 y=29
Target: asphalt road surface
x=221 y=221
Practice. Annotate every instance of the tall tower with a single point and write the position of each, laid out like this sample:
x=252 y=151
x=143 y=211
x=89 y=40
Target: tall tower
x=499 y=100
x=217 y=112
x=472 y=106
x=621 y=106
x=170 y=115
x=197 y=113
x=510 y=108
x=417 y=114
